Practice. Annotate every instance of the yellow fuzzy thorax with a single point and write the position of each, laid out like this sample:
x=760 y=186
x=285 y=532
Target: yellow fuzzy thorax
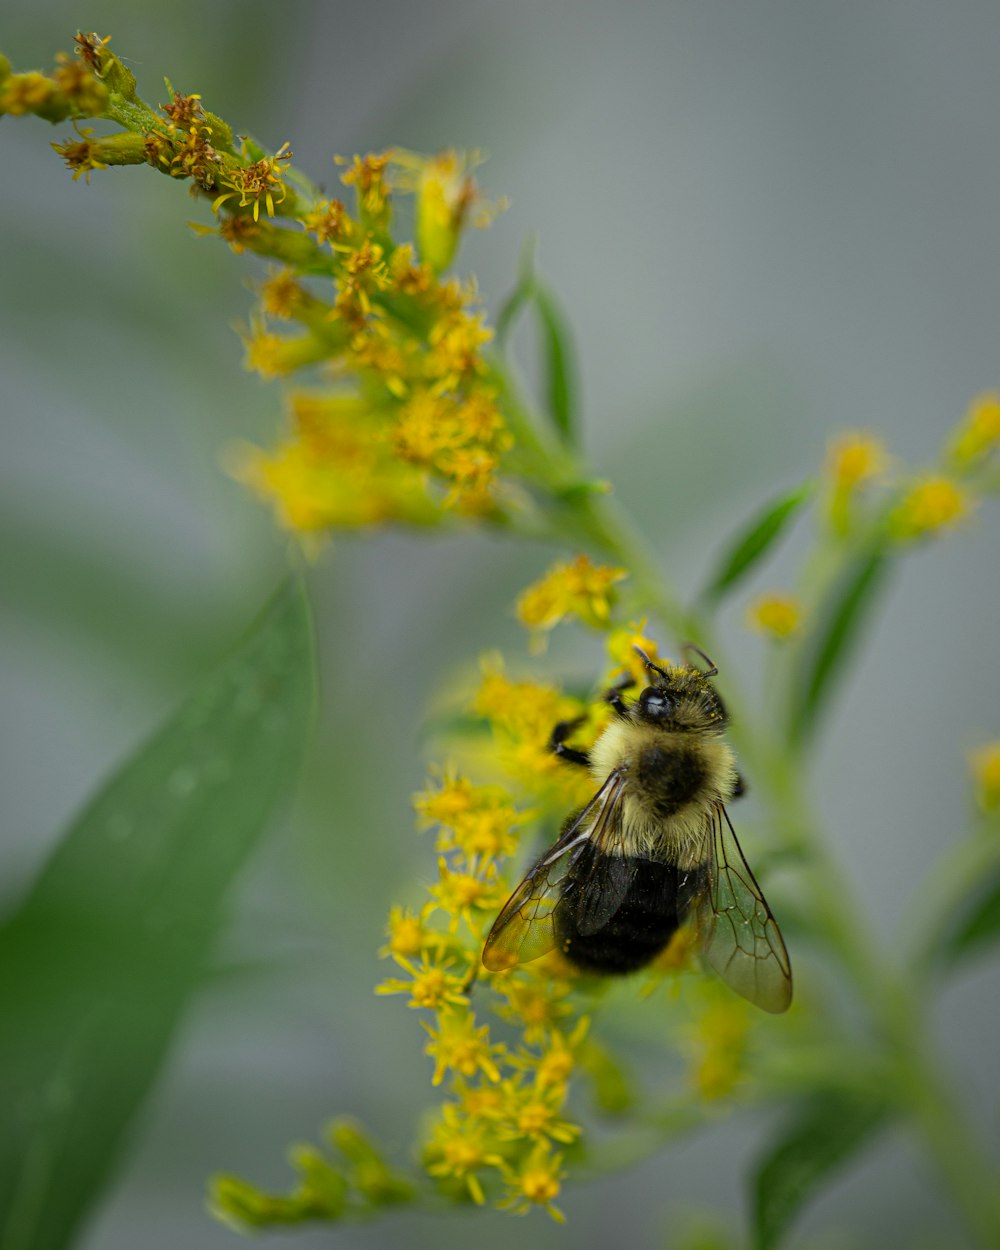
x=681 y=837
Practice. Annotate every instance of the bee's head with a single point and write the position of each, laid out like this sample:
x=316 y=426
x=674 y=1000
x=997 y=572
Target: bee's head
x=681 y=696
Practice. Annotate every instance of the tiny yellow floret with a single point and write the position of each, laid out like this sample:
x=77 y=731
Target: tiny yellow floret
x=984 y=764
x=978 y=433
x=933 y=504
x=776 y=615
x=855 y=457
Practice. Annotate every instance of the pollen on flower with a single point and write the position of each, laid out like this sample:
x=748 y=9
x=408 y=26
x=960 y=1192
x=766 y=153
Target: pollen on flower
x=984 y=764
x=578 y=589
x=978 y=433
x=933 y=504
x=778 y=616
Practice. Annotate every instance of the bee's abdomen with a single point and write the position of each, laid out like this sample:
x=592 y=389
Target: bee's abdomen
x=640 y=928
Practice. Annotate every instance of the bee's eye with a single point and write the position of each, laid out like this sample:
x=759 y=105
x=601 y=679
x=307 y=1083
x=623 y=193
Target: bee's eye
x=655 y=704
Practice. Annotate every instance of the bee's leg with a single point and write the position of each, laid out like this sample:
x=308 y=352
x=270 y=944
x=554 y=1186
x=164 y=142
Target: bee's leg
x=741 y=786
x=614 y=695
x=557 y=743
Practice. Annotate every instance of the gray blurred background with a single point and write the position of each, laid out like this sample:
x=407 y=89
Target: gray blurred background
x=768 y=222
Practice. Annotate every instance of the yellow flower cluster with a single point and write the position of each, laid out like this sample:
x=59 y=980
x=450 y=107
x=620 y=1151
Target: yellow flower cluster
x=578 y=588
x=494 y=1136
x=401 y=341
x=372 y=313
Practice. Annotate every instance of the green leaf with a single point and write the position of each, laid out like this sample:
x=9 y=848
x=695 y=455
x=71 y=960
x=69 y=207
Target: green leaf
x=558 y=356
x=840 y=621
x=560 y=364
x=977 y=926
x=98 y=962
x=828 y=1130
x=754 y=540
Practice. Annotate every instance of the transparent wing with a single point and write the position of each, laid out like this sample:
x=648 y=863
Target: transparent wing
x=738 y=936
x=525 y=928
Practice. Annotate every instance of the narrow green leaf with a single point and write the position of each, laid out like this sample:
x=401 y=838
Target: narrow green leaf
x=560 y=364
x=754 y=540
x=511 y=309
x=97 y=963
x=828 y=1130
x=557 y=355
x=977 y=926
x=839 y=624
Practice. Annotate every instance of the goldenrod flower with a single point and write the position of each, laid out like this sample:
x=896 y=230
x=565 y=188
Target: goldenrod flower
x=578 y=589
x=555 y=1063
x=535 y=1182
x=984 y=765
x=529 y=1111
x=458 y=1148
x=717 y=1043
x=933 y=504
x=446 y=194
x=777 y=615
x=261 y=180
x=431 y=986
x=408 y=935
x=330 y=222
x=457 y=1045
x=621 y=648
x=367 y=175
x=523 y=714
x=460 y=894
x=535 y=1001
x=853 y=460
x=977 y=434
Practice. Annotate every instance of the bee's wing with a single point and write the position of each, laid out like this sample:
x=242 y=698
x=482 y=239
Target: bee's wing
x=525 y=928
x=738 y=936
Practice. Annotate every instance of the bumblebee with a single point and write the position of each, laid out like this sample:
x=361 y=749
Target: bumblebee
x=653 y=850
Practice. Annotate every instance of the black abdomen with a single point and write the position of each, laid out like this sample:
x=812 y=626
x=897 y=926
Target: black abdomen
x=636 y=931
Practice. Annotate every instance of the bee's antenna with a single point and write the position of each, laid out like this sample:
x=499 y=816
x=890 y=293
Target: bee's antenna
x=712 y=669
x=653 y=668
